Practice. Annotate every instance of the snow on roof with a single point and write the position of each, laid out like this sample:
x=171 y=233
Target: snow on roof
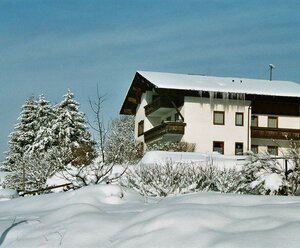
x=222 y=84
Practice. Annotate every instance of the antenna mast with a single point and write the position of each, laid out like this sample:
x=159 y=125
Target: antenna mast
x=271 y=70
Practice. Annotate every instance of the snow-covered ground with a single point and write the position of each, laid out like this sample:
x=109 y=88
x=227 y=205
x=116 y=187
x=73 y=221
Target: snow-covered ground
x=108 y=216
x=217 y=159
x=2 y=177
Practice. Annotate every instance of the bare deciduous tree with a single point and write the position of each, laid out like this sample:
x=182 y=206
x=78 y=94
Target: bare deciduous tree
x=98 y=124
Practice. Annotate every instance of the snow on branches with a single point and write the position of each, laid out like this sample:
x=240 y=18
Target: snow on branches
x=180 y=178
x=45 y=139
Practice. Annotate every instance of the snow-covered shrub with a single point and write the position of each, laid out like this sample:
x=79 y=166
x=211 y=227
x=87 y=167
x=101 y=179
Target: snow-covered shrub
x=171 y=146
x=120 y=143
x=228 y=180
x=264 y=175
x=33 y=169
x=293 y=173
x=95 y=173
x=169 y=179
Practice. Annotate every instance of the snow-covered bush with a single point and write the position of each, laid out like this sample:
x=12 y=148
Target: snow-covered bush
x=33 y=169
x=120 y=144
x=263 y=175
x=293 y=173
x=170 y=179
x=269 y=175
x=95 y=173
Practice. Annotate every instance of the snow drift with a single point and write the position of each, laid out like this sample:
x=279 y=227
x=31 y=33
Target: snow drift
x=109 y=216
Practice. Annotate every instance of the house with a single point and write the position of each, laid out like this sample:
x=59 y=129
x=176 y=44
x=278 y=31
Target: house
x=223 y=114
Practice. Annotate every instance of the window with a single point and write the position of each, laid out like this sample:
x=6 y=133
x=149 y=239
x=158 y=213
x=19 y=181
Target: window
x=169 y=118
x=272 y=121
x=239 y=119
x=218 y=146
x=254 y=121
x=254 y=149
x=273 y=150
x=140 y=128
x=219 y=117
x=218 y=95
x=239 y=148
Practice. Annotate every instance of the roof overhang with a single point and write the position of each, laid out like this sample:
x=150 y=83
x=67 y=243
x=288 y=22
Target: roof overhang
x=138 y=86
x=141 y=83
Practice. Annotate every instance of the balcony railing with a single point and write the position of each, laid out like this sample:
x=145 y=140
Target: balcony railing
x=166 y=128
x=275 y=133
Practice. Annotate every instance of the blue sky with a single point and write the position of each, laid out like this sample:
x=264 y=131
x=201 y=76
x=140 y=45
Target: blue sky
x=49 y=46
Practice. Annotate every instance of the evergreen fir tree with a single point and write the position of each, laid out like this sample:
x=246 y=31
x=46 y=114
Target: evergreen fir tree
x=44 y=140
x=45 y=116
x=71 y=132
x=24 y=134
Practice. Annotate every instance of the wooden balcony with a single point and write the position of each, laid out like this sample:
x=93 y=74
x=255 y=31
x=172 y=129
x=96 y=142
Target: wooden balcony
x=167 y=129
x=161 y=102
x=275 y=133
x=162 y=105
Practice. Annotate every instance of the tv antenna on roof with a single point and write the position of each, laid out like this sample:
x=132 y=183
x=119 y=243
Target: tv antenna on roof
x=271 y=69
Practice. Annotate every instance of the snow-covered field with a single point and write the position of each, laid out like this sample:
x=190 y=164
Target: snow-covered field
x=108 y=216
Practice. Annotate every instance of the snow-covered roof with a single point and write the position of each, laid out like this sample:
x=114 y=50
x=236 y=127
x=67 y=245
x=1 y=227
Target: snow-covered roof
x=222 y=84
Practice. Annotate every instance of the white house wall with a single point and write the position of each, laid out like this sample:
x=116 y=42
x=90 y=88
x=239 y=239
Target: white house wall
x=283 y=145
x=283 y=122
x=146 y=98
x=289 y=122
x=198 y=115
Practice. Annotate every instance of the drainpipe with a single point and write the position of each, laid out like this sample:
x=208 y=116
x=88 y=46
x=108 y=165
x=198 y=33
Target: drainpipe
x=248 y=128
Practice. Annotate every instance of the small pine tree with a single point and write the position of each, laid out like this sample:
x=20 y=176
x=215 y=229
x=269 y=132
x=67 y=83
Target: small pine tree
x=264 y=175
x=267 y=175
